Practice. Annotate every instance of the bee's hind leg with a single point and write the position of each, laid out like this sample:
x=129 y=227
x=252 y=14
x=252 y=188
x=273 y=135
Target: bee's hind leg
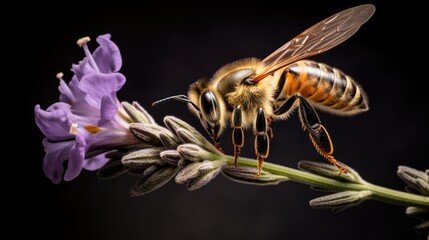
x=262 y=140
x=237 y=132
x=317 y=132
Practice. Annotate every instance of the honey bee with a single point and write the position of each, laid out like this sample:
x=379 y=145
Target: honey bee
x=253 y=93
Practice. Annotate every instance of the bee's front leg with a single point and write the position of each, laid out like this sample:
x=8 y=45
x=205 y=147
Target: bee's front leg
x=237 y=132
x=270 y=129
x=216 y=143
x=262 y=140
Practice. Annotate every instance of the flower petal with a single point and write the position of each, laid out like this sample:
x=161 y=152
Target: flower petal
x=66 y=94
x=56 y=154
x=55 y=122
x=74 y=96
x=82 y=69
x=96 y=86
x=108 y=108
x=77 y=155
x=107 y=56
x=109 y=140
x=74 y=88
x=95 y=163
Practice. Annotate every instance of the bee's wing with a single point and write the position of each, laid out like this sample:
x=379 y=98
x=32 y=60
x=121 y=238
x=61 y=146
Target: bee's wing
x=317 y=39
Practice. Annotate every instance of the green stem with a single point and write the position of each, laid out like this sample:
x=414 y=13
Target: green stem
x=378 y=193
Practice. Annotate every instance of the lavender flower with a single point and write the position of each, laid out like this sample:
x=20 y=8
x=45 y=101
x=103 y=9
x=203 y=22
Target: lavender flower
x=88 y=120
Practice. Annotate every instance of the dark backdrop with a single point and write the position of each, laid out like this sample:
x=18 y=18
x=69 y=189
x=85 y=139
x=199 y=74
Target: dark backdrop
x=165 y=47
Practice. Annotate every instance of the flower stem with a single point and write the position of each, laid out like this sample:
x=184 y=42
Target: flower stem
x=378 y=193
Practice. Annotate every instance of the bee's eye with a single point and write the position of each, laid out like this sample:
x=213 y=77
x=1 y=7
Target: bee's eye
x=209 y=107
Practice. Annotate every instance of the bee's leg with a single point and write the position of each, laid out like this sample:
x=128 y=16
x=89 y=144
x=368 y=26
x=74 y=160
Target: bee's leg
x=317 y=132
x=262 y=140
x=269 y=129
x=216 y=143
x=237 y=132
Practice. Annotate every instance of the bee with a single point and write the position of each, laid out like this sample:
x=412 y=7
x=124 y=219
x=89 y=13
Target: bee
x=254 y=93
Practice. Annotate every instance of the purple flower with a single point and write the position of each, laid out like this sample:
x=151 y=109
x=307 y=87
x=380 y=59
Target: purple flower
x=88 y=120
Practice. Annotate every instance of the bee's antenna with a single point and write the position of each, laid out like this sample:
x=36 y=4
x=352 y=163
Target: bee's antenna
x=180 y=98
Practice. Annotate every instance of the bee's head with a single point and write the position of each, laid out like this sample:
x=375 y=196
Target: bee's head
x=204 y=103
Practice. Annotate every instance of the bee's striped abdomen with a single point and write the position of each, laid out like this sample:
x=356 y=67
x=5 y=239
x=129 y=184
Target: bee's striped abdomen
x=327 y=87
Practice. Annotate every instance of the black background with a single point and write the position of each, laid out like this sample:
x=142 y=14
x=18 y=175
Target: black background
x=167 y=46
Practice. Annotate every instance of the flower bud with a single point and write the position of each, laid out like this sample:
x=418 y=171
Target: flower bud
x=188 y=173
x=171 y=157
x=148 y=133
x=153 y=181
x=174 y=123
x=202 y=180
x=248 y=175
x=143 y=158
x=415 y=211
x=187 y=133
x=168 y=141
x=341 y=200
x=415 y=179
x=196 y=170
x=195 y=153
x=149 y=119
x=137 y=113
x=330 y=171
